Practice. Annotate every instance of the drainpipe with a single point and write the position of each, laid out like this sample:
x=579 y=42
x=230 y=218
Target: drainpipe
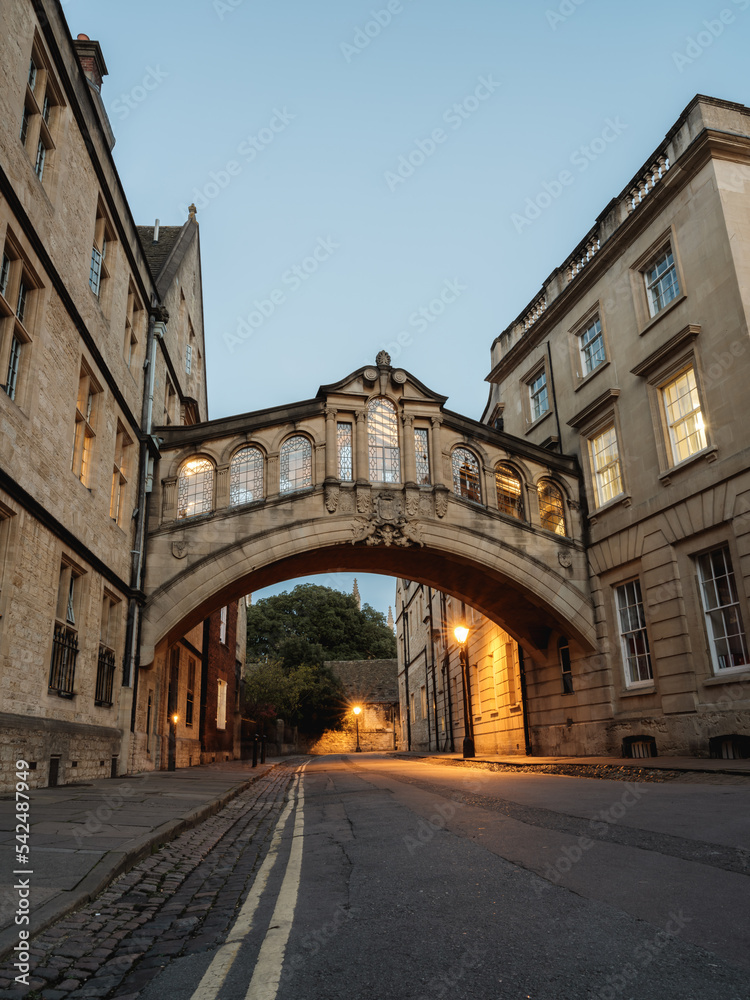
x=554 y=397
x=156 y=328
x=426 y=696
x=404 y=623
x=434 y=679
x=524 y=704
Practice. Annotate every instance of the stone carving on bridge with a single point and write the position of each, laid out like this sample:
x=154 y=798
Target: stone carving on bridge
x=565 y=558
x=364 y=501
x=441 y=502
x=179 y=548
x=331 y=498
x=387 y=524
x=375 y=531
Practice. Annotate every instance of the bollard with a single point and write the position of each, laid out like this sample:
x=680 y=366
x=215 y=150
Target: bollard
x=255 y=750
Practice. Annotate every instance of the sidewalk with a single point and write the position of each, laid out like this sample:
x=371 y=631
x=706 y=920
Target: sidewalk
x=82 y=837
x=705 y=764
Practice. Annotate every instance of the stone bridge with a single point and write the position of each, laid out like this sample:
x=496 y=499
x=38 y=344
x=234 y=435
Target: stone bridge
x=372 y=475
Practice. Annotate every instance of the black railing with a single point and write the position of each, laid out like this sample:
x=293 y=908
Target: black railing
x=63 y=665
x=105 y=676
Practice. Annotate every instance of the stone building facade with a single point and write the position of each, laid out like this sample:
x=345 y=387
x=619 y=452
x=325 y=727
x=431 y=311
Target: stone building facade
x=634 y=358
x=101 y=341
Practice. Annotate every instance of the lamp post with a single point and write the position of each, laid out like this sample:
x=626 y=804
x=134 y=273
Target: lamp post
x=357 y=710
x=462 y=634
x=172 y=760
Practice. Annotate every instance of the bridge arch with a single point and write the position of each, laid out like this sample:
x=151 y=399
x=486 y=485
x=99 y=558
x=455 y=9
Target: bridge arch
x=529 y=580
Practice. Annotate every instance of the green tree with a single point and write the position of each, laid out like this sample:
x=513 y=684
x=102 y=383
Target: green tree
x=312 y=624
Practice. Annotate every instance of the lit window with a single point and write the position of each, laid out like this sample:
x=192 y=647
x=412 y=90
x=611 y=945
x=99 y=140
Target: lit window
x=221 y=705
x=636 y=656
x=551 y=509
x=246 y=476
x=120 y=474
x=605 y=459
x=296 y=465
x=661 y=282
x=466 y=475
x=509 y=491
x=538 y=399
x=421 y=444
x=382 y=441
x=591 y=346
x=85 y=424
x=195 y=488
x=687 y=433
x=344 y=451
x=722 y=610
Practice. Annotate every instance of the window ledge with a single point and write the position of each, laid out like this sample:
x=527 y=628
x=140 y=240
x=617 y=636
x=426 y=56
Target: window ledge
x=585 y=379
x=710 y=454
x=663 y=312
x=533 y=426
x=634 y=692
x=733 y=675
x=622 y=498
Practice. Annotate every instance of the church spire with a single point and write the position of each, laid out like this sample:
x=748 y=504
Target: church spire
x=355 y=594
x=390 y=618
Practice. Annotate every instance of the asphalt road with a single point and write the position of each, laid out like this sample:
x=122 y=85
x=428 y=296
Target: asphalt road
x=380 y=877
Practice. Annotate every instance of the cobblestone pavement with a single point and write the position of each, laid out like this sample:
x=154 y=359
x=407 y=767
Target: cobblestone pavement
x=179 y=901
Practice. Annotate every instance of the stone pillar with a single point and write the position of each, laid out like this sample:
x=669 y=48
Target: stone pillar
x=361 y=462
x=222 y=487
x=331 y=466
x=169 y=500
x=532 y=505
x=409 y=466
x=436 y=454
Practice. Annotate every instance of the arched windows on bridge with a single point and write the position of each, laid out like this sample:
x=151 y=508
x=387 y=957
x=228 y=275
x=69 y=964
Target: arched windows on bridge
x=375 y=443
x=195 y=487
x=246 y=476
x=382 y=441
x=295 y=462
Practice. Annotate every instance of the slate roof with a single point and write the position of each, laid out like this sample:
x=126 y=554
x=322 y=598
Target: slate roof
x=157 y=254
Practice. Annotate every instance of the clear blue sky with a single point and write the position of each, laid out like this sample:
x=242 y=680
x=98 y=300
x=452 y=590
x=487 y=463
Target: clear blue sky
x=314 y=104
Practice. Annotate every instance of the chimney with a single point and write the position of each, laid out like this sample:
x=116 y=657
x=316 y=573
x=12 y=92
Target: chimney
x=95 y=69
x=92 y=61
x=156 y=232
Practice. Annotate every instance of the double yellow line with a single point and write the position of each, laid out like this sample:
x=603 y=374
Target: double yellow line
x=267 y=973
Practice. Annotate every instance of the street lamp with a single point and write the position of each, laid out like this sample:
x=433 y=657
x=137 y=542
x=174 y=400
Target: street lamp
x=172 y=755
x=356 y=711
x=461 y=633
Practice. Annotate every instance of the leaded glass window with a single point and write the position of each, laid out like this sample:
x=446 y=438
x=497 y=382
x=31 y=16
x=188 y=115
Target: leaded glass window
x=382 y=440
x=296 y=465
x=551 y=507
x=344 y=446
x=421 y=444
x=195 y=488
x=246 y=476
x=466 y=475
x=509 y=491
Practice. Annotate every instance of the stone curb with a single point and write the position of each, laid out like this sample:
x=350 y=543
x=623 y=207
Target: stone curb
x=636 y=763
x=116 y=863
